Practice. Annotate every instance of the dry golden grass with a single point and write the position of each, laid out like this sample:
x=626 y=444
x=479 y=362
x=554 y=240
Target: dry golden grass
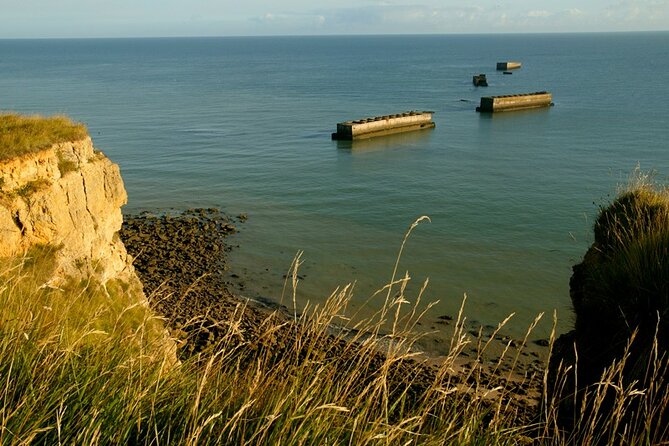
x=69 y=376
x=75 y=370
x=20 y=135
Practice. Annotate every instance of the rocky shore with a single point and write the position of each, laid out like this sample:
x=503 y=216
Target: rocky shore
x=181 y=260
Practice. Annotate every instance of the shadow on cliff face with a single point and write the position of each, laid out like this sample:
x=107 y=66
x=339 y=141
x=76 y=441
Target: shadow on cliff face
x=620 y=295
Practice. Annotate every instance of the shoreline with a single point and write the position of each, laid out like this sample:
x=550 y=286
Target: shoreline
x=181 y=259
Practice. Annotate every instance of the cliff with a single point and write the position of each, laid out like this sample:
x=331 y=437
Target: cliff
x=65 y=197
x=68 y=196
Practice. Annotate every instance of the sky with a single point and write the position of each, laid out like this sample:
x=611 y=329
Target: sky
x=167 y=18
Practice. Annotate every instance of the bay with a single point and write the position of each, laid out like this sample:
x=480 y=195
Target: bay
x=244 y=124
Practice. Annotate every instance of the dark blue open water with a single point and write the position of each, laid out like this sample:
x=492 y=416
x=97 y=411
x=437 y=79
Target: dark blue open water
x=244 y=124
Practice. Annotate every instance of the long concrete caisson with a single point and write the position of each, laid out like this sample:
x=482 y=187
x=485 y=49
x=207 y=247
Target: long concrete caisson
x=384 y=125
x=512 y=102
x=503 y=66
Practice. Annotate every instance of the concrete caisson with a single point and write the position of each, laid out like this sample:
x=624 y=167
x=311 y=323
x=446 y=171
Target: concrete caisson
x=492 y=104
x=384 y=125
x=503 y=66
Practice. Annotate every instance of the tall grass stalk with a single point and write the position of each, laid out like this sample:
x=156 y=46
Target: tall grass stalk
x=612 y=411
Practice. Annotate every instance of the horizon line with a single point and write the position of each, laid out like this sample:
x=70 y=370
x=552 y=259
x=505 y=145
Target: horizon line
x=528 y=33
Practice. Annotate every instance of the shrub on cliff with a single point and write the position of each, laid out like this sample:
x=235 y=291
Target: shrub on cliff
x=622 y=285
x=607 y=378
x=28 y=134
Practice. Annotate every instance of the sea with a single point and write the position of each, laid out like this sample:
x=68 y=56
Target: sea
x=243 y=124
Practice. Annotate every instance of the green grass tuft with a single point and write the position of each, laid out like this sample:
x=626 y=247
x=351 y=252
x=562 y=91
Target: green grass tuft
x=66 y=165
x=20 y=135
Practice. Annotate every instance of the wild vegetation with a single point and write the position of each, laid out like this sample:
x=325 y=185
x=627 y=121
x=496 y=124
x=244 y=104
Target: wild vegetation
x=77 y=368
x=622 y=285
x=84 y=364
x=620 y=293
x=20 y=134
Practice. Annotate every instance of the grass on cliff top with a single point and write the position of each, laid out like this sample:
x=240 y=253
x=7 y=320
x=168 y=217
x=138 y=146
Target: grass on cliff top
x=20 y=135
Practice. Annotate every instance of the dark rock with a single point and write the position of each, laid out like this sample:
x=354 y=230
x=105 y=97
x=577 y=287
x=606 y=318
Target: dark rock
x=180 y=259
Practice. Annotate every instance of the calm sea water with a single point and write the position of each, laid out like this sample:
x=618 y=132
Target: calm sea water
x=244 y=124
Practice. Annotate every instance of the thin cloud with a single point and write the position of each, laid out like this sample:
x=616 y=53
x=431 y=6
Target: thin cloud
x=405 y=18
x=652 y=11
x=542 y=13
x=288 y=21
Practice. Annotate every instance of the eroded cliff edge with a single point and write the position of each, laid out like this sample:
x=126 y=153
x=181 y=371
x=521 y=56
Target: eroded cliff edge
x=68 y=196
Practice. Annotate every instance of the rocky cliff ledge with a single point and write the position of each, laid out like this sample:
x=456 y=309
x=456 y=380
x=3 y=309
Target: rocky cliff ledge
x=68 y=196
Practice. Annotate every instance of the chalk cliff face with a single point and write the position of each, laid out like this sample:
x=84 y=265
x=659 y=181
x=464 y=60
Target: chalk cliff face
x=68 y=196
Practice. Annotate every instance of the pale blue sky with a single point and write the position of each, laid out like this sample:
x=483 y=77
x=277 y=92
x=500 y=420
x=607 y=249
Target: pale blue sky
x=130 y=18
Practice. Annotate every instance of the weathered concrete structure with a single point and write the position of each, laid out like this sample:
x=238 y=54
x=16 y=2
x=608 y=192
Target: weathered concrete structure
x=492 y=104
x=384 y=125
x=502 y=66
x=479 y=80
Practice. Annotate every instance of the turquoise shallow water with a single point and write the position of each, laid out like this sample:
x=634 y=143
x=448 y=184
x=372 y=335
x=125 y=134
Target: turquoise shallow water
x=244 y=124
